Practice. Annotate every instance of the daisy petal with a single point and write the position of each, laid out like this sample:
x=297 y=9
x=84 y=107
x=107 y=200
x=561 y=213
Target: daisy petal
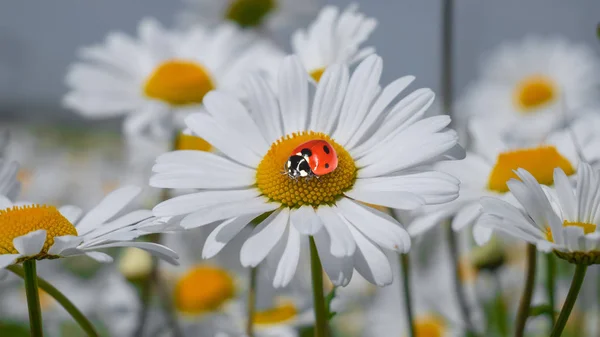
x=466 y=216
x=370 y=261
x=192 y=202
x=100 y=257
x=31 y=243
x=223 y=233
x=64 y=242
x=264 y=237
x=261 y=98
x=342 y=242
x=339 y=269
x=293 y=94
x=72 y=213
x=399 y=200
x=227 y=210
x=286 y=268
x=329 y=97
x=305 y=220
x=482 y=234
x=8 y=259
x=107 y=208
x=160 y=251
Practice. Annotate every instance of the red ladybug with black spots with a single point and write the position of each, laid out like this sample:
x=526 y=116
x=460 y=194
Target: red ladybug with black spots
x=313 y=158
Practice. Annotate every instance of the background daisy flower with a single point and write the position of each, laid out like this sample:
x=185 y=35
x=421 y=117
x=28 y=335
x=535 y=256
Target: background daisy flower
x=486 y=170
x=333 y=38
x=33 y=231
x=528 y=88
x=161 y=74
x=257 y=14
x=375 y=141
x=564 y=222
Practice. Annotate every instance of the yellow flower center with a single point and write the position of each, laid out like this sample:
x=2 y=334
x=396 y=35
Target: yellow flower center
x=249 y=13
x=539 y=161
x=179 y=82
x=534 y=92
x=316 y=74
x=203 y=289
x=429 y=326
x=587 y=228
x=272 y=181
x=278 y=314
x=191 y=142
x=20 y=220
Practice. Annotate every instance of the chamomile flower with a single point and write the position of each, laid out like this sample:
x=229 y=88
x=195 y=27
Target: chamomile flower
x=253 y=14
x=333 y=38
x=564 y=222
x=160 y=75
x=33 y=231
x=527 y=89
x=379 y=147
x=486 y=171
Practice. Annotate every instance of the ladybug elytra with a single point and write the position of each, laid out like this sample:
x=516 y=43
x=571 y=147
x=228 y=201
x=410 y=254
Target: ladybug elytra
x=313 y=158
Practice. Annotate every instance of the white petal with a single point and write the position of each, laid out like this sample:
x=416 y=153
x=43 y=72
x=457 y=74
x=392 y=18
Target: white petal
x=399 y=200
x=293 y=95
x=329 y=97
x=466 y=216
x=107 y=208
x=227 y=210
x=482 y=234
x=565 y=194
x=155 y=249
x=31 y=243
x=72 y=213
x=370 y=261
x=264 y=107
x=5 y=202
x=200 y=180
x=339 y=269
x=64 y=242
x=264 y=237
x=100 y=257
x=342 y=242
x=375 y=225
x=200 y=161
x=223 y=233
x=8 y=259
x=286 y=268
x=192 y=202
x=305 y=220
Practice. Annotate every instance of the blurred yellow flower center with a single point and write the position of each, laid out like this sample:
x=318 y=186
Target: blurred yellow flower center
x=272 y=181
x=249 y=13
x=587 y=228
x=429 y=326
x=316 y=74
x=203 y=289
x=466 y=271
x=539 y=161
x=179 y=82
x=278 y=314
x=20 y=220
x=191 y=142
x=135 y=264
x=534 y=92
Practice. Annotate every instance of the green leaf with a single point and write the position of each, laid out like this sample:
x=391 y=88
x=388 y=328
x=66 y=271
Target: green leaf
x=328 y=300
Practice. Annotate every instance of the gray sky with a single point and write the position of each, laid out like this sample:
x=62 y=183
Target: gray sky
x=38 y=39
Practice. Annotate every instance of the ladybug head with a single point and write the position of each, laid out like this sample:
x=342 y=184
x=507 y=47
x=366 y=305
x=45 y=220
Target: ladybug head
x=297 y=166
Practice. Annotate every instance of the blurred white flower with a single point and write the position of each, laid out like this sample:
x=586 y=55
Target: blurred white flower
x=258 y=14
x=529 y=88
x=333 y=38
x=358 y=120
x=160 y=76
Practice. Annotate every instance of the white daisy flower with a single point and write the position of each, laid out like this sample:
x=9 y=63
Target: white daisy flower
x=333 y=38
x=259 y=14
x=565 y=222
x=161 y=74
x=486 y=171
x=528 y=88
x=33 y=231
x=9 y=185
x=379 y=147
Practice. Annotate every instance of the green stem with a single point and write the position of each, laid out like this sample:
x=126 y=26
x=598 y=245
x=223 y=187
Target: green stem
x=251 y=303
x=570 y=301
x=83 y=322
x=33 y=299
x=405 y=264
x=318 y=294
x=550 y=275
x=525 y=303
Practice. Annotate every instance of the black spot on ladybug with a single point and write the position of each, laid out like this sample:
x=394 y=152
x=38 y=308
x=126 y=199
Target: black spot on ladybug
x=326 y=149
x=303 y=166
x=306 y=152
x=326 y=165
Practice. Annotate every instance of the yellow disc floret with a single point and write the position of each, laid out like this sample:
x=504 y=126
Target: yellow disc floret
x=275 y=184
x=276 y=315
x=21 y=220
x=179 y=82
x=429 y=326
x=539 y=161
x=203 y=289
x=316 y=74
x=534 y=92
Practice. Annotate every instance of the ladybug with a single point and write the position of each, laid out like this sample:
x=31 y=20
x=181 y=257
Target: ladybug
x=313 y=158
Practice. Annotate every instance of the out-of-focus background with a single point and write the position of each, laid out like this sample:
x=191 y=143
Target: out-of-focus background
x=38 y=40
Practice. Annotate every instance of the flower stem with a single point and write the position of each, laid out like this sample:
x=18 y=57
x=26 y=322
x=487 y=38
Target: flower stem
x=405 y=264
x=33 y=299
x=458 y=287
x=580 y=270
x=318 y=294
x=83 y=322
x=525 y=303
x=251 y=302
x=550 y=275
